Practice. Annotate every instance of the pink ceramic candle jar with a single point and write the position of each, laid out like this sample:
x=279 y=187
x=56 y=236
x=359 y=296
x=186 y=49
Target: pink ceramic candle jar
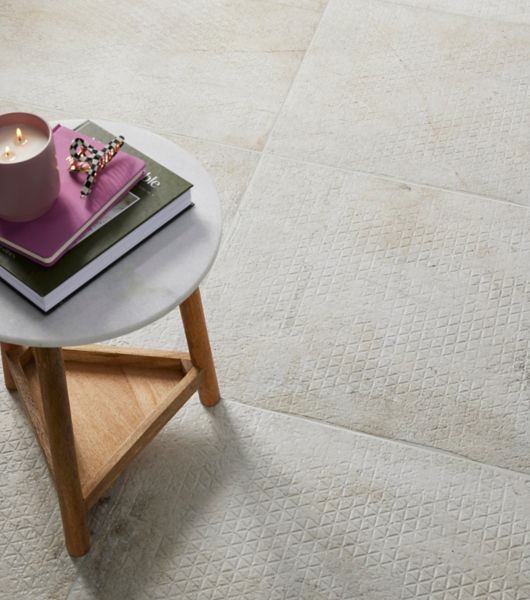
x=29 y=179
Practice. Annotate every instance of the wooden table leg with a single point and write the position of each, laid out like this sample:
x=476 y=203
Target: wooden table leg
x=56 y=408
x=199 y=346
x=8 y=378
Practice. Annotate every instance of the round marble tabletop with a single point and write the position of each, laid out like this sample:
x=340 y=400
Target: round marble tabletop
x=144 y=285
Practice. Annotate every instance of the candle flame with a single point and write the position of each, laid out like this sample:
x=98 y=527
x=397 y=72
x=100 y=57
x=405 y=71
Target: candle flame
x=19 y=135
x=8 y=154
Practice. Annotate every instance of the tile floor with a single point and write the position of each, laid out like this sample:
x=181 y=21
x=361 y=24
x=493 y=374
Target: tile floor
x=372 y=159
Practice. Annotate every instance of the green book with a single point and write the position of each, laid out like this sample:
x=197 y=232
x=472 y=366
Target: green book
x=154 y=201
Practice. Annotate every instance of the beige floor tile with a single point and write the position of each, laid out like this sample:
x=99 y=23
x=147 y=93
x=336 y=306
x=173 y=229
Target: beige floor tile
x=414 y=94
x=33 y=562
x=213 y=69
x=395 y=309
x=516 y=11
x=236 y=503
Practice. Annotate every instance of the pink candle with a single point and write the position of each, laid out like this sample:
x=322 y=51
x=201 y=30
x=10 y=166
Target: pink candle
x=29 y=180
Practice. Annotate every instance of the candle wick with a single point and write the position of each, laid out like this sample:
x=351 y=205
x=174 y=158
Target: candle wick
x=21 y=140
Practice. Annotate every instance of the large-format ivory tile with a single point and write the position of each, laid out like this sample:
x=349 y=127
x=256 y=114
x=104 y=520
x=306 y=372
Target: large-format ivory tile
x=416 y=94
x=217 y=69
x=235 y=503
x=33 y=562
x=517 y=11
x=399 y=310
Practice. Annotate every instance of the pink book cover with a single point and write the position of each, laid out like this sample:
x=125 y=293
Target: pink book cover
x=46 y=239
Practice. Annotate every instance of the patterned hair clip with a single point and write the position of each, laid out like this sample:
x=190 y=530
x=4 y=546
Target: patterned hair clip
x=84 y=157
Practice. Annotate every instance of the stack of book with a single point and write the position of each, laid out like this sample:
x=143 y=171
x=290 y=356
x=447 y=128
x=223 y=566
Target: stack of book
x=50 y=258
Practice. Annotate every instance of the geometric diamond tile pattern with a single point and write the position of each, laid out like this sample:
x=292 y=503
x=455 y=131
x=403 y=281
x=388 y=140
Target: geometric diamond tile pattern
x=395 y=309
x=414 y=94
x=239 y=503
x=517 y=11
x=33 y=563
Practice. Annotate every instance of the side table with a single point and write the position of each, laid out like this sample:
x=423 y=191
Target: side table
x=93 y=408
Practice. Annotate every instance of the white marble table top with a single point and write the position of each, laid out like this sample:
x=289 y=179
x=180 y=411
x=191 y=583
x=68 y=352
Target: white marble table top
x=144 y=285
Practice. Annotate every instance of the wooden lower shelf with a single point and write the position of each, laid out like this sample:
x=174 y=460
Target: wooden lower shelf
x=119 y=400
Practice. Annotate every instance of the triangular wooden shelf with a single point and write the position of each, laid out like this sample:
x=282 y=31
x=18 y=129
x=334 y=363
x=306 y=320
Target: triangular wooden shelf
x=119 y=399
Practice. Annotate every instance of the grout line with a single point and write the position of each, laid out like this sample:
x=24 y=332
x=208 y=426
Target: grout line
x=353 y=171
x=236 y=218
x=272 y=154
x=399 y=442
x=295 y=76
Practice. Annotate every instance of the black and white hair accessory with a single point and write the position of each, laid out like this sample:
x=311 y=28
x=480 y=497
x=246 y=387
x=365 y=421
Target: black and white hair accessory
x=84 y=157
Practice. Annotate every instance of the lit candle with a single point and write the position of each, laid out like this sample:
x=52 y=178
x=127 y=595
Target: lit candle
x=24 y=141
x=29 y=179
